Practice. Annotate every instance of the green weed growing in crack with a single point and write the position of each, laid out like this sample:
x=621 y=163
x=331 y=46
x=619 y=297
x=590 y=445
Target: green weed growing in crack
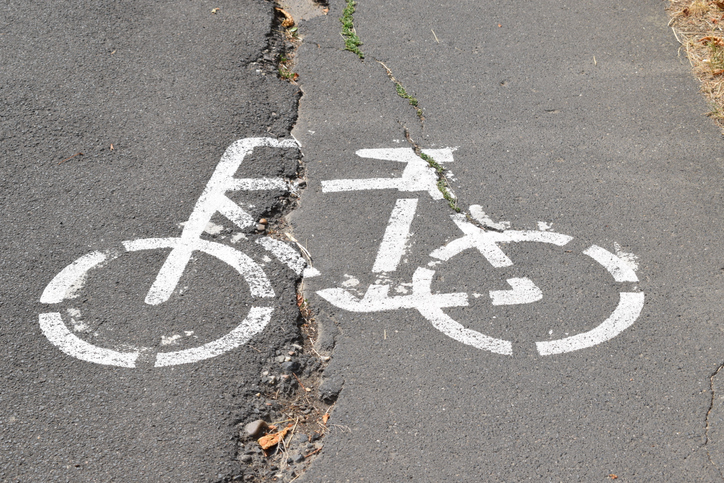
x=402 y=92
x=412 y=100
x=352 y=41
x=442 y=184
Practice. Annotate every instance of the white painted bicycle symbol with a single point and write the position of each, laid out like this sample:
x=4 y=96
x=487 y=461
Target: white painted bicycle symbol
x=214 y=199
x=419 y=177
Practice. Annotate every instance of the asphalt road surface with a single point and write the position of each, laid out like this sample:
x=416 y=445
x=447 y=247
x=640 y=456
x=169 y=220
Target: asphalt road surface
x=152 y=94
x=579 y=119
x=563 y=326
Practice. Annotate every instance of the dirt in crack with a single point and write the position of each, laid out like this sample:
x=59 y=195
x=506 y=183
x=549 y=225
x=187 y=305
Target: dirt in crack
x=292 y=410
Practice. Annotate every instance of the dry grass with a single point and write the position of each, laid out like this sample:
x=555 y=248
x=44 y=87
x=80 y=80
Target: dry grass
x=699 y=27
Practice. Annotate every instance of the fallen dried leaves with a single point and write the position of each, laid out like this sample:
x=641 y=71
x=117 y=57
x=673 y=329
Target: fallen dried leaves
x=271 y=440
x=288 y=20
x=697 y=25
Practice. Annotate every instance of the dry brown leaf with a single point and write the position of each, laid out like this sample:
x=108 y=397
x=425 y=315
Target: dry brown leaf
x=718 y=41
x=325 y=418
x=273 y=439
x=613 y=477
x=288 y=20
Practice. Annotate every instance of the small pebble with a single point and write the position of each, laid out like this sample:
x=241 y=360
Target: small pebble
x=287 y=358
x=255 y=428
x=263 y=221
x=290 y=367
x=298 y=458
x=246 y=458
x=260 y=227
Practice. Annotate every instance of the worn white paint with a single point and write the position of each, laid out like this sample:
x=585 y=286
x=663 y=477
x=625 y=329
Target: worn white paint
x=377 y=298
x=617 y=267
x=75 y=320
x=397 y=235
x=170 y=340
x=350 y=281
x=253 y=274
x=213 y=228
x=310 y=272
x=476 y=211
x=258 y=184
x=288 y=256
x=486 y=242
x=543 y=226
x=255 y=321
x=628 y=258
x=58 y=334
x=524 y=291
x=237 y=237
x=417 y=175
x=66 y=284
x=212 y=200
x=458 y=332
x=628 y=309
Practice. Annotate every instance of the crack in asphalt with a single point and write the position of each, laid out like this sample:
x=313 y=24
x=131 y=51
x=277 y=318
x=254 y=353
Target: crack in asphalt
x=443 y=185
x=707 y=425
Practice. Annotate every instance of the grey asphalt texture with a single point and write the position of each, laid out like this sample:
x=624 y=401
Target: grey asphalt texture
x=584 y=116
x=581 y=116
x=168 y=86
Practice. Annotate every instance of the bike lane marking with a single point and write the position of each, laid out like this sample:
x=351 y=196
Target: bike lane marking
x=71 y=278
x=60 y=336
x=419 y=177
x=524 y=291
x=627 y=311
x=66 y=284
x=397 y=235
x=212 y=200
